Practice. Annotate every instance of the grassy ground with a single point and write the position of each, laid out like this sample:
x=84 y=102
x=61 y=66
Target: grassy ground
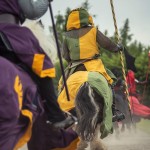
x=144 y=125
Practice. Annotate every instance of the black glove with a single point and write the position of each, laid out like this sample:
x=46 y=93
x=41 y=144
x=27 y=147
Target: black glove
x=120 y=47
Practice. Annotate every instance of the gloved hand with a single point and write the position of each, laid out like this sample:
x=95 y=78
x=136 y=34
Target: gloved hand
x=120 y=47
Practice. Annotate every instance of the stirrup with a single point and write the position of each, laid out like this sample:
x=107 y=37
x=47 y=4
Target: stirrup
x=118 y=116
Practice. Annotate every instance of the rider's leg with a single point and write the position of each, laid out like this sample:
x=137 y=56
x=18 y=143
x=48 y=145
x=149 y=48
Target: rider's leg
x=117 y=115
x=48 y=94
x=55 y=115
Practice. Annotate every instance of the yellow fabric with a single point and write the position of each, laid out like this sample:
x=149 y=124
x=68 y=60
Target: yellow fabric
x=25 y=138
x=37 y=67
x=72 y=146
x=74 y=82
x=91 y=21
x=73 y=21
x=88 y=48
x=88 y=44
x=18 y=89
x=48 y=73
x=98 y=83
x=98 y=66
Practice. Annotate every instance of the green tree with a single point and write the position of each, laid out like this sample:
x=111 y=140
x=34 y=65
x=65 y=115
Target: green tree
x=124 y=33
x=86 y=5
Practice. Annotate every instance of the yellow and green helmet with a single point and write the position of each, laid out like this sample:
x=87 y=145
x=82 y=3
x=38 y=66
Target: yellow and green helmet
x=78 y=18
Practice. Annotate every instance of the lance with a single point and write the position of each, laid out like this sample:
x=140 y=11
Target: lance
x=58 y=50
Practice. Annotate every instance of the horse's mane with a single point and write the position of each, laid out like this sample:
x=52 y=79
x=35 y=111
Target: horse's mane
x=47 y=42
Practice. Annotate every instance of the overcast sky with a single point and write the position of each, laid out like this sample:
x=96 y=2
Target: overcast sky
x=138 y=12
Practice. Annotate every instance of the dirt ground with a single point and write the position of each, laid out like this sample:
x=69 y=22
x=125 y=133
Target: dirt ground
x=128 y=140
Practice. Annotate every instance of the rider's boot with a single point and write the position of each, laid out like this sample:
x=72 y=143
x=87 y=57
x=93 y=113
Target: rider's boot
x=66 y=123
x=117 y=115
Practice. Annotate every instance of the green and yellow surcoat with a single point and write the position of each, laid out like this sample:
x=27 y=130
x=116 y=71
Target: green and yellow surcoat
x=86 y=47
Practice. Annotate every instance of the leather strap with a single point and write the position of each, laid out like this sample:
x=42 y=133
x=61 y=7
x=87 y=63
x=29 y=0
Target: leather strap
x=9 y=18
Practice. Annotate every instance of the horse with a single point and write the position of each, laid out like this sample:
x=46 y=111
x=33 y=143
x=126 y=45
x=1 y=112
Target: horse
x=133 y=115
x=122 y=104
x=90 y=101
x=89 y=107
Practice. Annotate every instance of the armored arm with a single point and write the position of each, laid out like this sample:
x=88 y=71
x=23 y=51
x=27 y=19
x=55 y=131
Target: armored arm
x=106 y=43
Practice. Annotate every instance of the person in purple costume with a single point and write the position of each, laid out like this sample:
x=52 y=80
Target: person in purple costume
x=19 y=105
x=18 y=46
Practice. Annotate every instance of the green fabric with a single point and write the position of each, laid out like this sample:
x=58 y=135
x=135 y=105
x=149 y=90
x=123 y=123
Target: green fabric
x=112 y=76
x=73 y=45
x=84 y=17
x=100 y=85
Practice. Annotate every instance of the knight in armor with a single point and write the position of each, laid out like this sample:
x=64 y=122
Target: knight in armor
x=81 y=48
x=20 y=46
